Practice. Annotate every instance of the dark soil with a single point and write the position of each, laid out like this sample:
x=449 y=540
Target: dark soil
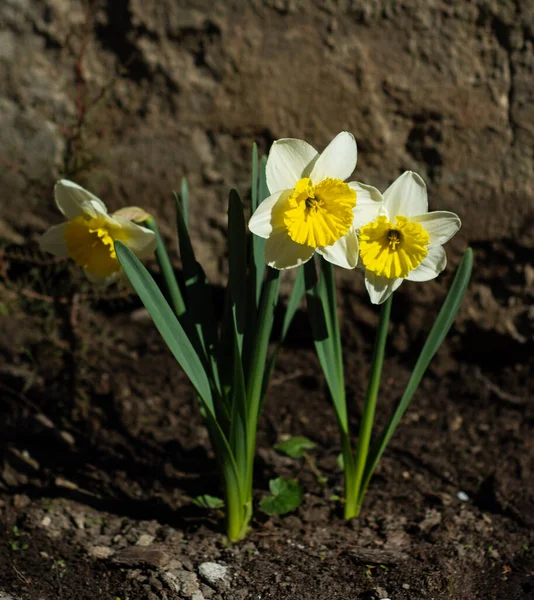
x=103 y=448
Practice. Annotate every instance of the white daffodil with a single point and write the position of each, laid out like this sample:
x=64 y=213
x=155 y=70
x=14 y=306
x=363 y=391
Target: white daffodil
x=310 y=208
x=404 y=241
x=89 y=235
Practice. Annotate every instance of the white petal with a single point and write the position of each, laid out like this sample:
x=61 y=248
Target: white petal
x=369 y=204
x=344 y=253
x=406 y=196
x=73 y=200
x=141 y=241
x=440 y=224
x=261 y=221
x=281 y=252
x=53 y=241
x=338 y=159
x=289 y=160
x=103 y=282
x=380 y=288
x=431 y=266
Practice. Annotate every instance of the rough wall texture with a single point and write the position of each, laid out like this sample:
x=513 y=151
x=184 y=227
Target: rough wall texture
x=126 y=96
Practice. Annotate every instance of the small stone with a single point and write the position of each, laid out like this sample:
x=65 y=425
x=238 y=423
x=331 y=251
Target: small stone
x=135 y=574
x=432 y=518
x=462 y=496
x=187 y=564
x=67 y=437
x=155 y=583
x=213 y=573
x=79 y=520
x=381 y=593
x=188 y=583
x=100 y=552
x=145 y=540
x=207 y=592
x=46 y=521
x=405 y=586
x=171 y=580
x=197 y=596
x=21 y=501
x=140 y=315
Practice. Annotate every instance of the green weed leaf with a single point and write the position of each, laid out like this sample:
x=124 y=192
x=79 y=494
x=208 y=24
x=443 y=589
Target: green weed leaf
x=286 y=497
x=208 y=502
x=295 y=447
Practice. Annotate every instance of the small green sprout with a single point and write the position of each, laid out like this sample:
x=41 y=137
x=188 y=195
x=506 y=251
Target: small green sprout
x=286 y=496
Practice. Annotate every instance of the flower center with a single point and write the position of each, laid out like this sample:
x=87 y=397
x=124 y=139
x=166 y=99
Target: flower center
x=90 y=244
x=393 y=250
x=319 y=215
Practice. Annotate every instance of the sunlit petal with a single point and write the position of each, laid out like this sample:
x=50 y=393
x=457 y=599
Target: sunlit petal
x=288 y=161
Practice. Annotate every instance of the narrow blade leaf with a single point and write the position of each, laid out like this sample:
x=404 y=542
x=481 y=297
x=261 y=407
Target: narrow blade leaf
x=319 y=314
x=258 y=243
x=166 y=322
x=184 y=199
x=199 y=296
x=435 y=338
x=297 y=293
x=237 y=259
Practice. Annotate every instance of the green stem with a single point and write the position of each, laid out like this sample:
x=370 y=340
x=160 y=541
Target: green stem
x=264 y=326
x=355 y=494
x=349 y=472
x=237 y=514
x=173 y=289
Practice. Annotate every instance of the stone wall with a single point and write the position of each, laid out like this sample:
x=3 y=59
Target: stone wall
x=127 y=96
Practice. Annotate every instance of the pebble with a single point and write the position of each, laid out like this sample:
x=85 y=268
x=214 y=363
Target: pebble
x=188 y=583
x=145 y=540
x=462 y=496
x=46 y=521
x=212 y=572
x=100 y=552
x=172 y=581
x=21 y=501
x=155 y=582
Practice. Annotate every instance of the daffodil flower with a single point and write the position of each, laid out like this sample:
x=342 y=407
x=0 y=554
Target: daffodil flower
x=311 y=208
x=89 y=235
x=404 y=240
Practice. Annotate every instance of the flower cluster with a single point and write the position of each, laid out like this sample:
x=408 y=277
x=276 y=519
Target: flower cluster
x=302 y=204
x=311 y=209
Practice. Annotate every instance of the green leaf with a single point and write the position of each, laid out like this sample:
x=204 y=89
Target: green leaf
x=199 y=296
x=166 y=322
x=184 y=199
x=320 y=312
x=441 y=327
x=295 y=447
x=173 y=289
x=297 y=293
x=208 y=502
x=258 y=243
x=237 y=262
x=286 y=497
x=254 y=184
x=239 y=414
